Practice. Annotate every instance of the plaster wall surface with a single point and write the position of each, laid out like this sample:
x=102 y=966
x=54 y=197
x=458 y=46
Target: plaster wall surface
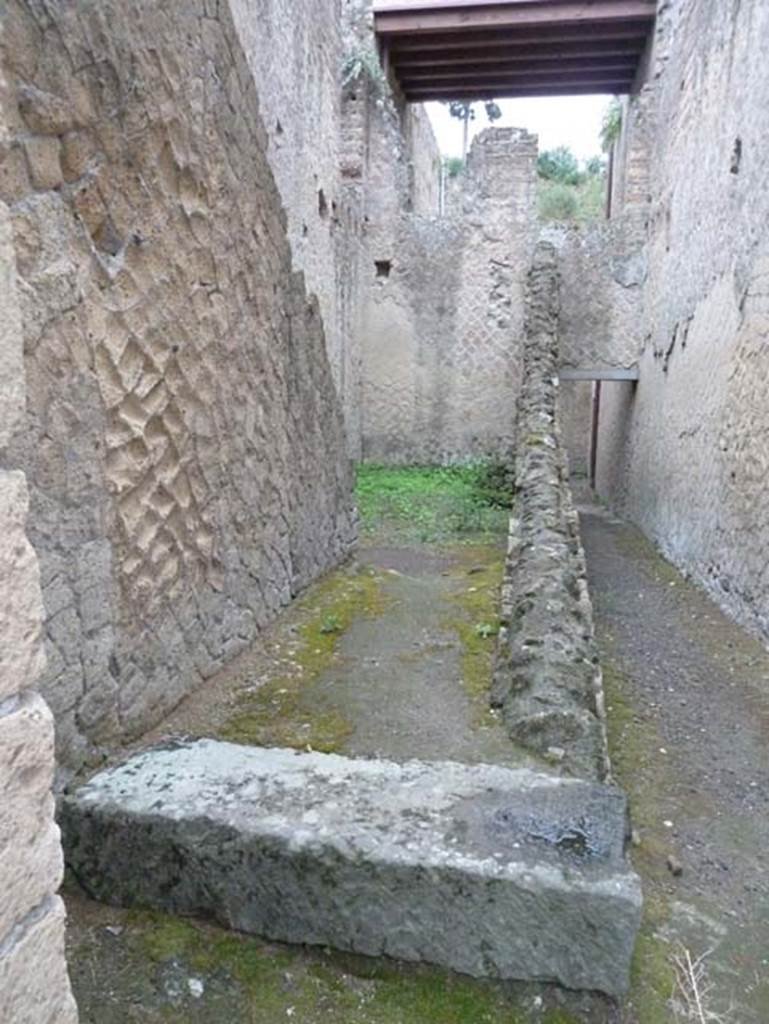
x=603 y=268
x=184 y=442
x=685 y=453
x=34 y=987
x=442 y=330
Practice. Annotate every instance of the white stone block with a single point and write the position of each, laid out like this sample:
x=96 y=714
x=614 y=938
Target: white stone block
x=34 y=986
x=486 y=870
x=30 y=850
x=21 y=605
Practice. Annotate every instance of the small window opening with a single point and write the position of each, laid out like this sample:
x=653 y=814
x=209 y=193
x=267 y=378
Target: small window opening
x=383 y=268
x=322 y=204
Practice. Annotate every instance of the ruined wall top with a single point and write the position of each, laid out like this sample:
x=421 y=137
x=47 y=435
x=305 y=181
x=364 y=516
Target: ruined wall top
x=500 y=159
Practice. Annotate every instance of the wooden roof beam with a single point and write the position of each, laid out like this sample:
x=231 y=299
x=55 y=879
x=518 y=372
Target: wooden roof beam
x=425 y=16
x=630 y=49
x=533 y=69
x=549 y=78
x=499 y=92
x=543 y=34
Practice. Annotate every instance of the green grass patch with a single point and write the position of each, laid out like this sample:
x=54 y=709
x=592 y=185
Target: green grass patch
x=434 y=503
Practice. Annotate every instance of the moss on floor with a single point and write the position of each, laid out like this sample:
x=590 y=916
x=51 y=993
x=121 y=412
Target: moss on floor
x=648 y=556
x=477 y=621
x=275 y=983
x=280 y=711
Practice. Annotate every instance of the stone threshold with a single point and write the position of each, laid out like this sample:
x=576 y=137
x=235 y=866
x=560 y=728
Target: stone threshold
x=489 y=871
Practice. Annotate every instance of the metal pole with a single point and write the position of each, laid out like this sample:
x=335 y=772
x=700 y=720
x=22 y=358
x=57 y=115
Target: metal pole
x=594 y=432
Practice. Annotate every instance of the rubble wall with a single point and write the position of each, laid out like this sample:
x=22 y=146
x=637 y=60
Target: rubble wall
x=547 y=678
x=184 y=443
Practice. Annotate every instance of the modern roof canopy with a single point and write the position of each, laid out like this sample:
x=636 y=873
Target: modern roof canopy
x=474 y=49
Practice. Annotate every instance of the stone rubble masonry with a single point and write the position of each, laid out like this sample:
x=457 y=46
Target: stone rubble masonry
x=34 y=987
x=547 y=677
x=685 y=452
x=486 y=870
x=441 y=355
x=184 y=442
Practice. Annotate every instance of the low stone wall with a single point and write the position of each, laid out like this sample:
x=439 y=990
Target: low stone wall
x=34 y=988
x=547 y=680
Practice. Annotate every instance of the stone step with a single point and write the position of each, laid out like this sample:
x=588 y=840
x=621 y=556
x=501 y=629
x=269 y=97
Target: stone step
x=489 y=871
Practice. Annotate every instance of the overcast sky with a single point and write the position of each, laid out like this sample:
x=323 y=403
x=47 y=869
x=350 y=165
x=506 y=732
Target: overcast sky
x=572 y=121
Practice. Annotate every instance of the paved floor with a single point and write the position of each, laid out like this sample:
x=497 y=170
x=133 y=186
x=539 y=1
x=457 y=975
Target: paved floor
x=399 y=677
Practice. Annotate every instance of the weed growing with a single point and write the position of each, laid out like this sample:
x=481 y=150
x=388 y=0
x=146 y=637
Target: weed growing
x=430 y=504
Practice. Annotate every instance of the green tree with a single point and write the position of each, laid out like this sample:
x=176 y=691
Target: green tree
x=558 y=202
x=595 y=166
x=611 y=124
x=464 y=111
x=559 y=164
x=454 y=165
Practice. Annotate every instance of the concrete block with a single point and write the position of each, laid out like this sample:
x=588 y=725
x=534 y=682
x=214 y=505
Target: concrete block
x=486 y=870
x=30 y=853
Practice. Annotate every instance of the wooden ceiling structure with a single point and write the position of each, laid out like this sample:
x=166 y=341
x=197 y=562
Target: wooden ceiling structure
x=476 y=49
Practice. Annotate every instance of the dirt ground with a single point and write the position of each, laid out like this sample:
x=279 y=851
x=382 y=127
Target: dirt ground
x=688 y=711
x=413 y=620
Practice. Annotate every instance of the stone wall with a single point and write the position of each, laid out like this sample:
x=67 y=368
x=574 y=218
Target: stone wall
x=685 y=453
x=184 y=443
x=347 y=162
x=34 y=987
x=444 y=315
x=547 y=679
x=295 y=50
